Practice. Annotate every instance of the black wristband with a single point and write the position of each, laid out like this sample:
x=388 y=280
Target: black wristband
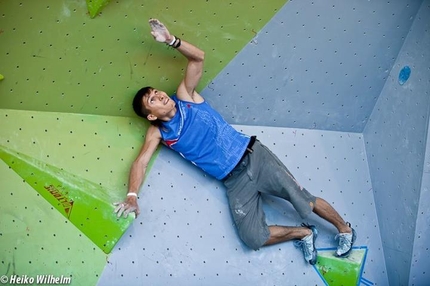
x=177 y=43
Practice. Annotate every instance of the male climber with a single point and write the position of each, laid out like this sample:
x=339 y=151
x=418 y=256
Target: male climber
x=187 y=124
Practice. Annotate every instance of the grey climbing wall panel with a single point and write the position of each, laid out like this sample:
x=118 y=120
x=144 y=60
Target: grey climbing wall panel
x=395 y=138
x=185 y=234
x=315 y=65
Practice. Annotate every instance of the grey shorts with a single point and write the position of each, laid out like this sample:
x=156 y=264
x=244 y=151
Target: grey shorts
x=261 y=172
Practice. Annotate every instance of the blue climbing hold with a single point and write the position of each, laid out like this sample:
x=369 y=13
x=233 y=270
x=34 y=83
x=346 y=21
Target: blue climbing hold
x=404 y=75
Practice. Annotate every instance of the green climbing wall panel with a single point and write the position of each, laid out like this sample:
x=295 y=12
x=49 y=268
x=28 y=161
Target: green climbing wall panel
x=36 y=239
x=99 y=149
x=54 y=57
x=86 y=204
x=62 y=154
x=76 y=165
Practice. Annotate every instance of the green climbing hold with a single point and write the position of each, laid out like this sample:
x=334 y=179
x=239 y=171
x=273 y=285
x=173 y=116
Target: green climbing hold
x=95 y=6
x=1 y=77
x=341 y=271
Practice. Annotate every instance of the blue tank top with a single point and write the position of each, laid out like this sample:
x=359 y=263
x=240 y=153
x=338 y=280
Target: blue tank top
x=203 y=137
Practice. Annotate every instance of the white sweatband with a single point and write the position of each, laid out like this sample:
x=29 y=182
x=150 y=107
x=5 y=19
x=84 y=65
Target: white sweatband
x=131 y=195
x=173 y=41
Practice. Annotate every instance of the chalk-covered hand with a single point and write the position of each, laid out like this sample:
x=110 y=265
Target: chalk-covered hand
x=128 y=206
x=159 y=31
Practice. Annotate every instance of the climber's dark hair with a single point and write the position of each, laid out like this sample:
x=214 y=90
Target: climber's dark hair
x=138 y=106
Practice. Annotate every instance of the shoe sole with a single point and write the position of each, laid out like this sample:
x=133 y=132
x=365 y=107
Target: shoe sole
x=315 y=235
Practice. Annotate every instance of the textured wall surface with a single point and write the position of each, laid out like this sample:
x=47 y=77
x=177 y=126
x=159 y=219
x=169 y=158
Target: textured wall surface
x=185 y=234
x=65 y=77
x=420 y=275
x=315 y=80
x=36 y=239
x=395 y=142
x=315 y=65
x=55 y=58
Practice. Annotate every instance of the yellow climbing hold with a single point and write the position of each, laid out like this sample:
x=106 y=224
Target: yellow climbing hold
x=1 y=77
